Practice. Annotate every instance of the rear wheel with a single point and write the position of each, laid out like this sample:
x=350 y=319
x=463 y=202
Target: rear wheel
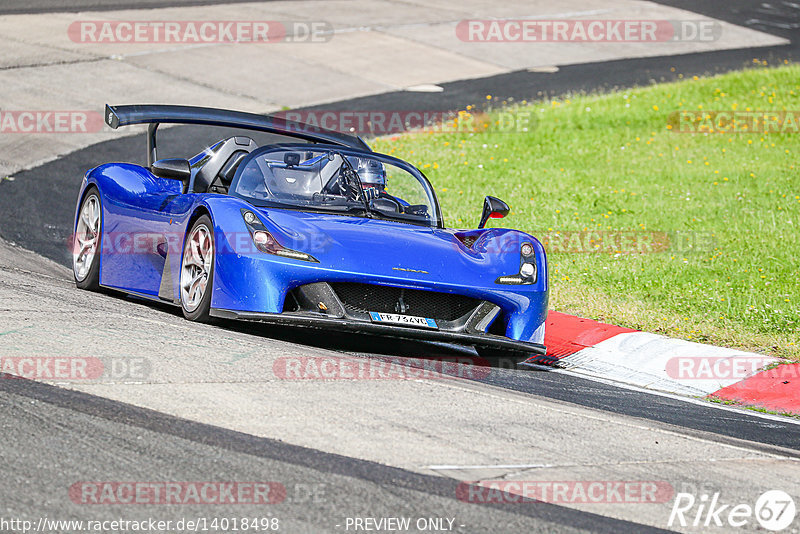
x=86 y=243
x=197 y=271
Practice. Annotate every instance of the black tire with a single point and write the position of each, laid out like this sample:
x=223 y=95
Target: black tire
x=90 y=279
x=200 y=311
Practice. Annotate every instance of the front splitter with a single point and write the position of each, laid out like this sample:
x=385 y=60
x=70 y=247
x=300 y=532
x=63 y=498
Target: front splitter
x=523 y=349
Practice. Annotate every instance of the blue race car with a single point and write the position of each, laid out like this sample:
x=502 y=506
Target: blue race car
x=314 y=231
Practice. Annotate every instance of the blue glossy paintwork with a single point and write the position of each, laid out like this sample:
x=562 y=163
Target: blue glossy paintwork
x=348 y=249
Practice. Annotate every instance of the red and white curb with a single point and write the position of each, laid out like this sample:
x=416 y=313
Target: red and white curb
x=656 y=362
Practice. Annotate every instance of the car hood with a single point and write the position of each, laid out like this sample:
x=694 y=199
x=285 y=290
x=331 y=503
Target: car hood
x=392 y=249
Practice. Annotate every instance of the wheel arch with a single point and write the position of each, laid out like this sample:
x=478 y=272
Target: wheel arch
x=90 y=186
x=197 y=212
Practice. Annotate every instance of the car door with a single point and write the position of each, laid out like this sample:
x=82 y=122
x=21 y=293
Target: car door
x=140 y=229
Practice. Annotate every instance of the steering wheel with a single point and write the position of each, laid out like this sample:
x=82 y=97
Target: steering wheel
x=331 y=175
x=343 y=183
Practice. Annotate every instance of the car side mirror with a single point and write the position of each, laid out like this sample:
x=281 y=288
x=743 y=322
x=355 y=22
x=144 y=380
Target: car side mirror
x=493 y=208
x=172 y=168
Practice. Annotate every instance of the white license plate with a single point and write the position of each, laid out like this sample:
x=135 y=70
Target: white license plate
x=408 y=320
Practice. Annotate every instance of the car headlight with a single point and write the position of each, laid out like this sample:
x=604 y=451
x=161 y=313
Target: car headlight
x=265 y=242
x=527 y=269
x=250 y=217
x=526 y=250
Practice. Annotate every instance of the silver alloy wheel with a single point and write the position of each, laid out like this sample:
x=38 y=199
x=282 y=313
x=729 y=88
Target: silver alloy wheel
x=198 y=258
x=87 y=236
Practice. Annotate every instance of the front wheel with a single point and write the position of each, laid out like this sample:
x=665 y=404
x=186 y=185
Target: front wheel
x=197 y=271
x=86 y=243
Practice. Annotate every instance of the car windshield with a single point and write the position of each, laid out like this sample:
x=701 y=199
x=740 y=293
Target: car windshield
x=337 y=180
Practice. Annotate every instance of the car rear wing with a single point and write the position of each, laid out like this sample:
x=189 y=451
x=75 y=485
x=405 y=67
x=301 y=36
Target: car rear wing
x=155 y=114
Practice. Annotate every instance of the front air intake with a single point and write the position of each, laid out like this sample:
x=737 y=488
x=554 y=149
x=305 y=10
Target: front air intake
x=363 y=298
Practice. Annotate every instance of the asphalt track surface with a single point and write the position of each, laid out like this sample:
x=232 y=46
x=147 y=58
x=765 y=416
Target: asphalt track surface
x=72 y=433
x=322 y=489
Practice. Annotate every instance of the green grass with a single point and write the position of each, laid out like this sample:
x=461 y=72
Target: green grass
x=609 y=163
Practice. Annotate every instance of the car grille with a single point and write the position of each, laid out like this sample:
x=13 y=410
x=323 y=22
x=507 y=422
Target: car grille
x=385 y=299
x=469 y=240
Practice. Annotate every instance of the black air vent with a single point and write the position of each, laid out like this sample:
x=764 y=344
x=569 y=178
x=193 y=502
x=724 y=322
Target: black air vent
x=384 y=299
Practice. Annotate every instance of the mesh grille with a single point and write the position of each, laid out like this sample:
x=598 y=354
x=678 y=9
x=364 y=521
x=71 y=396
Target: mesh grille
x=469 y=240
x=368 y=297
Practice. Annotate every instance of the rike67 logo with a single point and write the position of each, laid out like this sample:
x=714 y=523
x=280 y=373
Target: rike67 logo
x=774 y=510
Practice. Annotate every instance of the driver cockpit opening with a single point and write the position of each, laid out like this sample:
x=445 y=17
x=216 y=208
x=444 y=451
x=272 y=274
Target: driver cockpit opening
x=322 y=178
